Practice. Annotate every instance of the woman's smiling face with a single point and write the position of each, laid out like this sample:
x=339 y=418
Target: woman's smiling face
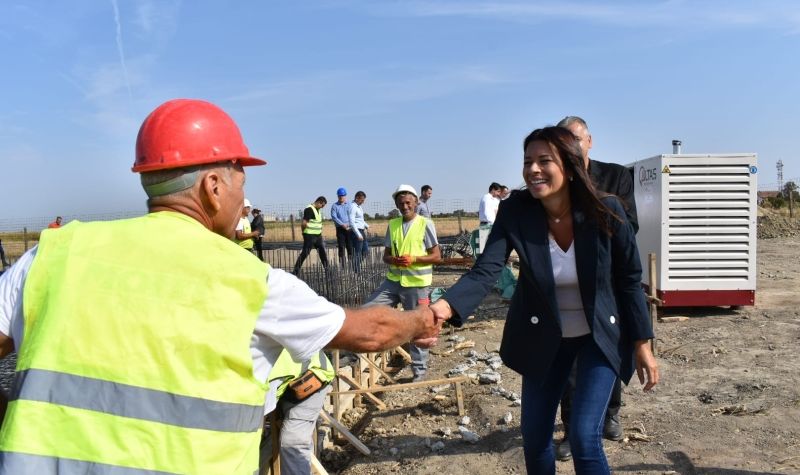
x=543 y=170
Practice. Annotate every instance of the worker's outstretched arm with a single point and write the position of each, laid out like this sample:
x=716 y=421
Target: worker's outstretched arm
x=379 y=328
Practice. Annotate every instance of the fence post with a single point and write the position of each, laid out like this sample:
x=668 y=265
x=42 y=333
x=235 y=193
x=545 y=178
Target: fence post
x=25 y=237
x=291 y=221
x=791 y=203
x=460 y=229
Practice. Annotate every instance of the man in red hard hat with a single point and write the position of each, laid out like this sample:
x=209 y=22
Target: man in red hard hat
x=155 y=360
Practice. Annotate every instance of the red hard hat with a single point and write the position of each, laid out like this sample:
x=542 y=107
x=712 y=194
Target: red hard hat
x=186 y=132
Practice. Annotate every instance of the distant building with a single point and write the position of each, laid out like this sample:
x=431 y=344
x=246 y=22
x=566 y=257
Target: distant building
x=764 y=195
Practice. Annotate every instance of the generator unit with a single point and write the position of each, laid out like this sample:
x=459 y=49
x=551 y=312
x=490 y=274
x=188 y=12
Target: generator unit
x=697 y=213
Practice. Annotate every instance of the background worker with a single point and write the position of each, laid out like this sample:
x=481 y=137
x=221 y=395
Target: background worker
x=411 y=250
x=244 y=236
x=425 y=194
x=297 y=411
x=490 y=202
x=340 y=215
x=93 y=383
x=55 y=224
x=312 y=234
x=358 y=230
x=3 y=260
x=257 y=225
x=614 y=179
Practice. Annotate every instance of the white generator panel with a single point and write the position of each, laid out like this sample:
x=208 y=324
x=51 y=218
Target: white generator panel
x=697 y=213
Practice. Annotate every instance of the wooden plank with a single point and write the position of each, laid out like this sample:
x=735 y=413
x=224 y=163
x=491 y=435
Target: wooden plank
x=358 y=375
x=459 y=398
x=401 y=387
x=376 y=367
x=336 y=388
x=275 y=434
x=316 y=466
x=403 y=353
x=373 y=376
x=367 y=393
x=342 y=429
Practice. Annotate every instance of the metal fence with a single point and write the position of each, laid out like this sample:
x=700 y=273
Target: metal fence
x=282 y=224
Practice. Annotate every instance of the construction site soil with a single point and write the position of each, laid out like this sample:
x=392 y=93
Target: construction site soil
x=728 y=402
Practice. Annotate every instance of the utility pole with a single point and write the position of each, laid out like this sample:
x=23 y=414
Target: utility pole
x=779 y=165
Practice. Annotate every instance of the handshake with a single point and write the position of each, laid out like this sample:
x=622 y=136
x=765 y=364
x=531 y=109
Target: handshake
x=434 y=317
x=403 y=261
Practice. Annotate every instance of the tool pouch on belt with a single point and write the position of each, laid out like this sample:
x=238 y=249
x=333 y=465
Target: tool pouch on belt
x=304 y=386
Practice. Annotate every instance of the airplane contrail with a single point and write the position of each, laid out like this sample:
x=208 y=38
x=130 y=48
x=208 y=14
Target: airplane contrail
x=120 y=48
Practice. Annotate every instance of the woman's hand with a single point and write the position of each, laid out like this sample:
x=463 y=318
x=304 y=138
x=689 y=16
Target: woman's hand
x=645 y=364
x=441 y=310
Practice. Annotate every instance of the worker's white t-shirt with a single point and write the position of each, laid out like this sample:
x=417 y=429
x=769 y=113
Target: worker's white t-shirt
x=293 y=317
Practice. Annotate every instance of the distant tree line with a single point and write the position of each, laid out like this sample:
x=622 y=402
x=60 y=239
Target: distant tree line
x=789 y=190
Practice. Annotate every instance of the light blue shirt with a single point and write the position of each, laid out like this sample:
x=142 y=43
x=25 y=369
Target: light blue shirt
x=340 y=213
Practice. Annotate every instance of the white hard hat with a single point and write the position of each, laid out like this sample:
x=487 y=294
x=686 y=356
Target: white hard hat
x=247 y=203
x=405 y=188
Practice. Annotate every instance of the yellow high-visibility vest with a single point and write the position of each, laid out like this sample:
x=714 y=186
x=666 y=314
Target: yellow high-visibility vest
x=246 y=229
x=136 y=352
x=287 y=369
x=413 y=243
x=314 y=226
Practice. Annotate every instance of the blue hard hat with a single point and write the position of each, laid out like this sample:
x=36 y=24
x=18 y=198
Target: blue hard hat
x=341 y=192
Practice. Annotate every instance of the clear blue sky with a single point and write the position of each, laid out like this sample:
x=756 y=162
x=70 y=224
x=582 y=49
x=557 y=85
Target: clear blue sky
x=368 y=94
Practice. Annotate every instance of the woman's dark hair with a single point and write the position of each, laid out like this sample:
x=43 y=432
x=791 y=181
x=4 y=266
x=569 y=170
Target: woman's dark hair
x=583 y=193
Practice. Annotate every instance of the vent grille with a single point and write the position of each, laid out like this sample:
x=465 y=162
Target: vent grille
x=709 y=222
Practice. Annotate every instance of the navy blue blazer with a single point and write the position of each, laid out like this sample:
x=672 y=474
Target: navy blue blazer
x=609 y=277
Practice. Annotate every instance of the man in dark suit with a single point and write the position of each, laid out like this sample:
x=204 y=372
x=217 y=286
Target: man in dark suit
x=257 y=225
x=617 y=180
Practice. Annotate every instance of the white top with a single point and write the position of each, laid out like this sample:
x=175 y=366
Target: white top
x=292 y=317
x=356 y=218
x=487 y=211
x=568 y=293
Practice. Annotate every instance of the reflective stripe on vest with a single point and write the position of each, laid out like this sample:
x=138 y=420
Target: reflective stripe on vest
x=286 y=369
x=314 y=226
x=135 y=356
x=413 y=243
x=246 y=243
x=29 y=464
x=131 y=401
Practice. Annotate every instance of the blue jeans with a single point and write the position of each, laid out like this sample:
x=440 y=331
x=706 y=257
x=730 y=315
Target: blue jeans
x=360 y=248
x=595 y=379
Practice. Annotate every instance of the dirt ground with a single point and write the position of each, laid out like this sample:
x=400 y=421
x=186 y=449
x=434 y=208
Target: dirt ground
x=729 y=401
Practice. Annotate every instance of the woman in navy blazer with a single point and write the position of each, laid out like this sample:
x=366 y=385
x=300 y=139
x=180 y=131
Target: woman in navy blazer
x=578 y=297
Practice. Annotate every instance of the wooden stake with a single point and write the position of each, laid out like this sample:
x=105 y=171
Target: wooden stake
x=345 y=432
x=403 y=353
x=401 y=387
x=376 y=367
x=317 y=467
x=368 y=394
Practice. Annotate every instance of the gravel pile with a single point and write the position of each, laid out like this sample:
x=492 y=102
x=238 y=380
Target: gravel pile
x=773 y=225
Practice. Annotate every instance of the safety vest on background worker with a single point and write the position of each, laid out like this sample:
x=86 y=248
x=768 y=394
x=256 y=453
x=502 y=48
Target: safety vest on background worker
x=246 y=243
x=287 y=369
x=137 y=360
x=315 y=225
x=413 y=243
